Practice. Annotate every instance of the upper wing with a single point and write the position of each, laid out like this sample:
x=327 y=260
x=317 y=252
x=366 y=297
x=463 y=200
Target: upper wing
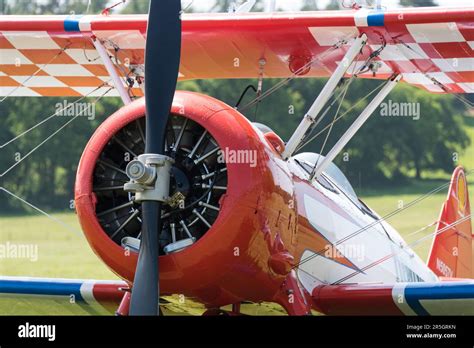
x=53 y=55
x=441 y=298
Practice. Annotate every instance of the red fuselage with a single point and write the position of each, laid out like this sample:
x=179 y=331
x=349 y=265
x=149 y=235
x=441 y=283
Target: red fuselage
x=262 y=229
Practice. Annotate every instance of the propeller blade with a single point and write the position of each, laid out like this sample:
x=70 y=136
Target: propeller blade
x=162 y=57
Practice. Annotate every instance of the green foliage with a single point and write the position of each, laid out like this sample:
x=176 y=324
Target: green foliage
x=137 y=6
x=28 y=7
x=309 y=5
x=222 y=5
x=46 y=176
x=392 y=147
x=418 y=3
x=333 y=5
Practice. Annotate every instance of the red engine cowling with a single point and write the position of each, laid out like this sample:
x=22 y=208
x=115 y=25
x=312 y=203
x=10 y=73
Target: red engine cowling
x=223 y=255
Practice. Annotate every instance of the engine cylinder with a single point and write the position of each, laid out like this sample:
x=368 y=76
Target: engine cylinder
x=204 y=186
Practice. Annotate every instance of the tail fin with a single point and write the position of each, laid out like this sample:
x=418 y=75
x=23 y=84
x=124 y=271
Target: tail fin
x=452 y=250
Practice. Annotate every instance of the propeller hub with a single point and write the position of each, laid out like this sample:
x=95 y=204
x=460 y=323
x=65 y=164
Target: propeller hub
x=149 y=177
x=139 y=172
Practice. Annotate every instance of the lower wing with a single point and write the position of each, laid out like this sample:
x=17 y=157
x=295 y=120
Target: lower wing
x=440 y=298
x=55 y=296
x=45 y=296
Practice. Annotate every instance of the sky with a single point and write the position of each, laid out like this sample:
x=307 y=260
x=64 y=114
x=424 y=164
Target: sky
x=293 y=5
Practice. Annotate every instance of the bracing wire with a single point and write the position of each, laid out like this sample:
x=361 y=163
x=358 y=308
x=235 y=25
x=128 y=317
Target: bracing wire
x=375 y=222
x=411 y=245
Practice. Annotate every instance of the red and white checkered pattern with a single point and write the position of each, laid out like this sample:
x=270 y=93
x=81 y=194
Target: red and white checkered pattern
x=428 y=46
x=34 y=63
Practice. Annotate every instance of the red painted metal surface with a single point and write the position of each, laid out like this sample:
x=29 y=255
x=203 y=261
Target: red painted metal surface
x=356 y=299
x=451 y=252
x=231 y=262
x=124 y=306
x=108 y=292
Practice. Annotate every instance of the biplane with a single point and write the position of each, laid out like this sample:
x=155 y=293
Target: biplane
x=220 y=209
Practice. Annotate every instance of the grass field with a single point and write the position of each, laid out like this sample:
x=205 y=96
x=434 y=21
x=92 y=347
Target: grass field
x=64 y=252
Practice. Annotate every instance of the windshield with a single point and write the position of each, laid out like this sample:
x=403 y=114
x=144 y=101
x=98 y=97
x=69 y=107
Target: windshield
x=332 y=171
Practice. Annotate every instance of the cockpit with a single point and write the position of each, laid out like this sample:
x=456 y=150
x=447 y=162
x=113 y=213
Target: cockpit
x=332 y=178
x=308 y=159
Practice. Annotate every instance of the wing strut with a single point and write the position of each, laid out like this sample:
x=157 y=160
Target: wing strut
x=363 y=117
x=323 y=97
x=109 y=65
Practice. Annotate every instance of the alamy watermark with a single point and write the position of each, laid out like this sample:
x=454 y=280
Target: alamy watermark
x=400 y=109
x=19 y=251
x=232 y=156
x=350 y=251
x=28 y=330
x=76 y=109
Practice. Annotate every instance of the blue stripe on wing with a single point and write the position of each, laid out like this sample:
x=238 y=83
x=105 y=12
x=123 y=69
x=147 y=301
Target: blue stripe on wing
x=442 y=291
x=46 y=288
x=71 y=23
x=376 y=19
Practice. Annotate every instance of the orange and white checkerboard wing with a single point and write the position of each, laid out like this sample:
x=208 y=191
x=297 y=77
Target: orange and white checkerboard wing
x=432 y=48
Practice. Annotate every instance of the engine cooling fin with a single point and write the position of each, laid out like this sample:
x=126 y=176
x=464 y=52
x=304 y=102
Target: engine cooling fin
x=198 y=181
